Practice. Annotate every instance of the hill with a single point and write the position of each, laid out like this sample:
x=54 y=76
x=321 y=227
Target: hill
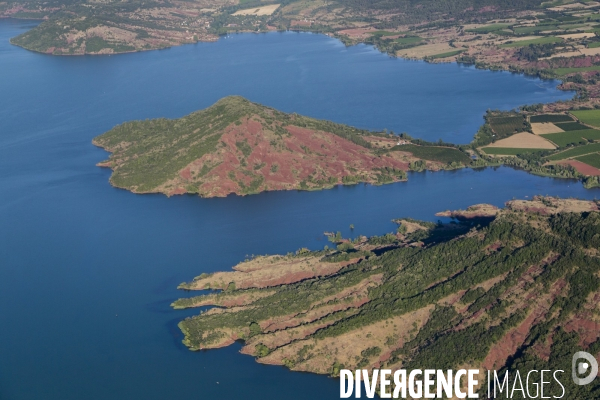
x=516 y=289
x=236 y=146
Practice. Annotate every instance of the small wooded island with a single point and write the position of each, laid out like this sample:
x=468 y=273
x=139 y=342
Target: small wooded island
x=236 y=146
x=512 y=289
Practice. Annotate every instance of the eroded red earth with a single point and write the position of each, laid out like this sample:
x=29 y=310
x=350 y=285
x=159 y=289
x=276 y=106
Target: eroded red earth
x=253 y=158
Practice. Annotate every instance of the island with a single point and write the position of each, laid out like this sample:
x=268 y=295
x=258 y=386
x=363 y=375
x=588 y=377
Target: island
x=516 y=289
x=240 y=147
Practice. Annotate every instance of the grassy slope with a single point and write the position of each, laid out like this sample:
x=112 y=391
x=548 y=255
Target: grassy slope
x=498 y=275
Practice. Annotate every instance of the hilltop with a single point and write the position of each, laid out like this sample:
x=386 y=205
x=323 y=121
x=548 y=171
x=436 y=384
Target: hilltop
x=236 y=146
x=518 y=289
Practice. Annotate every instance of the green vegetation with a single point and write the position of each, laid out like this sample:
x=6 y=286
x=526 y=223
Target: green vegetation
x=571 y=126
x=435 y=153
x=541 y=40
x=445 y=55
x=565 y=71
x=577 y=151
x=550 y=118
x=489 y=28
x=505 y=126
x=409 y=40
x=563 y=139
x=590 y=159
x=509 y=151
x=529 y=259
x=590 y=117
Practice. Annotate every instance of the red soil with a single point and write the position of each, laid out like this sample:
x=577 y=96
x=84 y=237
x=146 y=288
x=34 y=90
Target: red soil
x=514 y=338
x=303 y=154
x=582 y=168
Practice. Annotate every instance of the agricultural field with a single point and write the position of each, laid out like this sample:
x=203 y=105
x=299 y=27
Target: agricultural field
x=572 y=126
x=448 y=54
x=410 y=40
x=387 y=33
x=505 y=151
x=590 y=117
x=264 y=10
x=573 y=137
x=540 y=40
x=550 y=118
x=505 y=126
x=565 y=71
x=435 y=153
x=575 y=152
x=543 y=128
x=489 y=28
x=591 y=159
x=524 y=140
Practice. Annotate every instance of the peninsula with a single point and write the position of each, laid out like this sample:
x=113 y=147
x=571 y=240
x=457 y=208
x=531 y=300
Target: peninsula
x=240 y=147
x=516 y=289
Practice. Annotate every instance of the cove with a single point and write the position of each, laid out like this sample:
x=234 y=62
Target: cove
x=87 y=272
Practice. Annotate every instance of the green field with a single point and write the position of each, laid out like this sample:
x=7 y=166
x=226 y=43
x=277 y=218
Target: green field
x=409 y=40
x=550 y=118
x=509 y=151
x=448 y=54
x=590 y=159
x=590 y=117
x=542 y=40
x=504 y=126
x=572 y=126
x=572 y=137
x=435 y=153
x=593 y=45
x=577 y=151
x=387 y=33
x=526 y=30
x=489 y=28
x=565 y=71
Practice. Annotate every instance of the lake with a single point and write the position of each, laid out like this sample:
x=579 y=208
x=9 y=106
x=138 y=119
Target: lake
x=87 y=272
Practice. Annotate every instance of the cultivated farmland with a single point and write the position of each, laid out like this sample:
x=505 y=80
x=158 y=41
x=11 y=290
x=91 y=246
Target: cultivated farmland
x=435 y=153
x=524 y=140
x=540 y=40
x=505 y=126
x=591 y=159
x=543 y=128
x=504 y=151
x=590 y=117
x=550 y=118
x=573 y=137
x=572 y=126
x=577 y=151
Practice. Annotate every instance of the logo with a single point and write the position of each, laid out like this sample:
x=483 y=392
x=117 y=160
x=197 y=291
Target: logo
x=589 y=368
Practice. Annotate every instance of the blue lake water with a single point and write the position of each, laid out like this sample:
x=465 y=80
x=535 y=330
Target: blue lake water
x=87 y=272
